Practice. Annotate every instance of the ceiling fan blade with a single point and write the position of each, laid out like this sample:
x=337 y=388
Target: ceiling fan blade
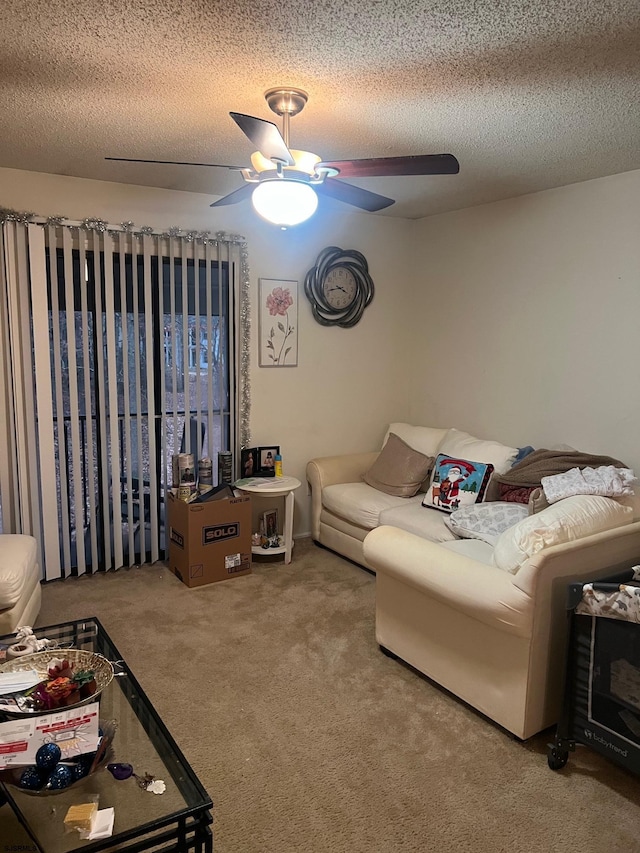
x=379 y=167
x=265 y=136
x=353 y=195
x=236 y=196
x=174 y=163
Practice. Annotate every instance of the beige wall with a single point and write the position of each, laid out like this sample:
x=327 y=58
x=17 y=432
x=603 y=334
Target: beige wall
x=518 y=320
x=527 y=319
x=349 y=383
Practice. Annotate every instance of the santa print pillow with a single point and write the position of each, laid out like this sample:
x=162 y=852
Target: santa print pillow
x=456 y=482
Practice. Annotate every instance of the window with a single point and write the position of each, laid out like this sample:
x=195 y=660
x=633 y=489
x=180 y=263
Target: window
x=143 y=363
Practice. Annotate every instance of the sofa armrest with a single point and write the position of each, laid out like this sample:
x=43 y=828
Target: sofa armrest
x=328 y=470
x=481 y=591
x=582 y=559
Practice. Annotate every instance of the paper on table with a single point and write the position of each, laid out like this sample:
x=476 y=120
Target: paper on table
x=15 y=682
x=101 y=825
x=266 y=483
x=74 y=730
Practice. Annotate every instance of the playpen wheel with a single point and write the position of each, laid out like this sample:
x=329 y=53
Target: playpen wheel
x=557 y=758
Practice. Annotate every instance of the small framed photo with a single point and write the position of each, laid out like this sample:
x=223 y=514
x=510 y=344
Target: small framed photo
x=270 y=523
x=267 y=460
x=249 y=462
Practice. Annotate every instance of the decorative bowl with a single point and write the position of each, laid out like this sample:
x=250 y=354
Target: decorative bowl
x=80 y=659
x=91 y=762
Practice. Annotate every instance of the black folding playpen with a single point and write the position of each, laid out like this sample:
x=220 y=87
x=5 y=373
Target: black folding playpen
x=602 y=696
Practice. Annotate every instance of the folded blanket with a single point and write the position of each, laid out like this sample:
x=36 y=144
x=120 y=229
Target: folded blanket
x=544 y=463
x=607 y=480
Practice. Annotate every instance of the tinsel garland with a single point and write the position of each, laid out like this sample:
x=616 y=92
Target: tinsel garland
x=203 y=237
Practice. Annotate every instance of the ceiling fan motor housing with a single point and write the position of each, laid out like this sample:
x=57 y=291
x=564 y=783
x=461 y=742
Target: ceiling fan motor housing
x=286 y=101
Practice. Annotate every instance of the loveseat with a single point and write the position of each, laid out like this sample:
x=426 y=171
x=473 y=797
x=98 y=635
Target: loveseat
x=484 y=619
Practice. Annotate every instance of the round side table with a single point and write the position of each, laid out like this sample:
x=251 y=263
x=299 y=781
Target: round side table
x=274 y=487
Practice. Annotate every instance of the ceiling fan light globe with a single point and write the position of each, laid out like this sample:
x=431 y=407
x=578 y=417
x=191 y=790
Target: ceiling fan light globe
x=284 y=202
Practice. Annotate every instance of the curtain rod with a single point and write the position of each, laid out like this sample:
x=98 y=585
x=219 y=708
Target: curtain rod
x=127 y=227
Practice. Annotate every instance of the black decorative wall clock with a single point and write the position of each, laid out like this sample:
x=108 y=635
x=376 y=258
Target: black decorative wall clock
x=339 y=287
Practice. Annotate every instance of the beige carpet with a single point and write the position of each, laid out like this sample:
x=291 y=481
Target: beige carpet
x=309 y=739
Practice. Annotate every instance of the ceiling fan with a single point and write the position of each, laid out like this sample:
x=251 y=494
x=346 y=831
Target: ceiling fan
x=283 y=183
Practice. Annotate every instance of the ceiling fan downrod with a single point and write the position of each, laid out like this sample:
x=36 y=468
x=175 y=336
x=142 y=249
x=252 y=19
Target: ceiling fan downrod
x=286 y=102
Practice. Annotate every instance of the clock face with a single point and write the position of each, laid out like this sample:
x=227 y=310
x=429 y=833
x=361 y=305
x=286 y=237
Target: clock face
x=340 y=288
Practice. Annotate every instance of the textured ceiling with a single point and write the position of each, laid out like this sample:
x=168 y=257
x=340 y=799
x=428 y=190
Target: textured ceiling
x=527 y=95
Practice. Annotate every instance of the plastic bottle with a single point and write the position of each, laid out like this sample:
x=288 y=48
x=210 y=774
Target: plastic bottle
x=278 y=465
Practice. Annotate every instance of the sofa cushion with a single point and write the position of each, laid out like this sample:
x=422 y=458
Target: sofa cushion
x=485 y=521
x=17 y=565
x=569 y=519
x=414 y=518
x=399 y=469
x=456 y=482
x=474 y=548
x=424 y=439
x=360 y=503
x=465 y=446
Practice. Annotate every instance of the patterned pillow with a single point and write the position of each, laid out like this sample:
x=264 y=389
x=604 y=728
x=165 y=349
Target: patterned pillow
x=456 y=482
x=485 y=521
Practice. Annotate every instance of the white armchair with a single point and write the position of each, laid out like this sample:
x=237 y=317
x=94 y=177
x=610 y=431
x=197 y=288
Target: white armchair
x=20 y=593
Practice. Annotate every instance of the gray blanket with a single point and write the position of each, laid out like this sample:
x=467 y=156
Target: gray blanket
x=545 y=463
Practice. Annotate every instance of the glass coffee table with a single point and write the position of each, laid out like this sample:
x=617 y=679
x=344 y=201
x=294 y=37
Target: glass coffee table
x=178 y=820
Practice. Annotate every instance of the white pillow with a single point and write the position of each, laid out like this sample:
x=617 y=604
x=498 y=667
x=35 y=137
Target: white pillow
x=485 y=521
x=569 y=519
x=461 y=445
x=423 y=439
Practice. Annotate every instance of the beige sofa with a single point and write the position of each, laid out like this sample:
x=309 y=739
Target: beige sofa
x=344 y=509
x=494 y=639
x=494 y=636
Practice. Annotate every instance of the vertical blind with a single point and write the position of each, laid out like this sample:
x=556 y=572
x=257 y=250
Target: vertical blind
x=118 y=349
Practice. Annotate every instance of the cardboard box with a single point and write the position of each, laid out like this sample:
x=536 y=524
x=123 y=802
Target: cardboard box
x=211 y=541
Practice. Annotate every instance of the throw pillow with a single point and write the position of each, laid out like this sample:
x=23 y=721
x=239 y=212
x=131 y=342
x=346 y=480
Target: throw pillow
x=485 y=521
x=399 y=469
x=456 y=482
x=465 y=446
x=517 y=494
x=570 y=519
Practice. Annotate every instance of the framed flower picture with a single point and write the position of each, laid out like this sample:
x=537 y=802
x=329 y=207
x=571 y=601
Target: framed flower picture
x=278 y=323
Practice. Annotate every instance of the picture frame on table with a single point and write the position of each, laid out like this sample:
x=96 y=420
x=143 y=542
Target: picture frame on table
x=267 y=460
x=249 y=462
x=270 y=523
x=277 y=323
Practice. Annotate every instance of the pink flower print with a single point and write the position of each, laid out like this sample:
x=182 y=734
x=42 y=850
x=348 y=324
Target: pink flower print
x=279 y=301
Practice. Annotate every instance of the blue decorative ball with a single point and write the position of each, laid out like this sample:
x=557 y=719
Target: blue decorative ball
x=61 y=777
x=32 y=778
x=79 y=771
x=48 y=756
x=86 y=760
